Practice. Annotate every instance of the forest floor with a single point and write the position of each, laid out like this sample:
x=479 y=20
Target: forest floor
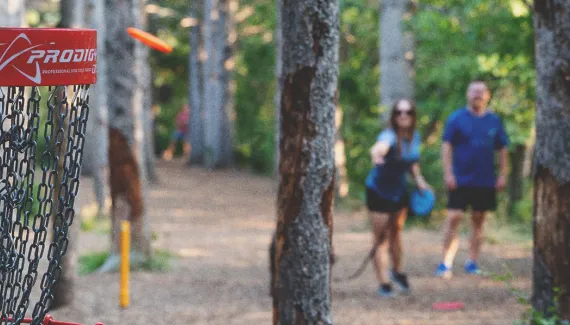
x=219 y=225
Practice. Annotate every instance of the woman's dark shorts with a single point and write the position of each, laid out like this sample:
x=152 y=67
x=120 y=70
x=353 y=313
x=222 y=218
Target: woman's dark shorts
x=376 y=203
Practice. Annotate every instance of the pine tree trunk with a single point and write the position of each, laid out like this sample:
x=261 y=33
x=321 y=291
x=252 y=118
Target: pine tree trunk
x=552 y=157
x=72 y=16
x=229 y=85
x=96 y=149
x=125 y=125
x=140 y=232
x=515 y=179
x=12 y=13
x=302 y=263
x=213 y=81
x=147 y=77
x=63 y=288
x=196 y=126
x=395 y=71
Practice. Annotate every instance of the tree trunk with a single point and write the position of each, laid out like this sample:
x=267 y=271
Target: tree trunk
x=301 y=278
x=515 y=179
x=12 y=13
x=140 y=233
x=552 y=158
x=395 y=70
x=147 y=78
x=96 y=149
x=148 y=120
x=229 y=85
x=63 y=292
x=195 y=92
x=125 y=81
x=213 y=35
x=72 y=16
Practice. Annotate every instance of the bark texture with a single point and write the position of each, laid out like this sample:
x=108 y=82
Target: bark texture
x=214 y=36
x=515 y=178
x=552 y=157
x=72 y=16
x=63 y=292
x=96 y=149
x=396 y=72
x=229 y=85
x=302 y=263
x=195 y=92
x=125 y=101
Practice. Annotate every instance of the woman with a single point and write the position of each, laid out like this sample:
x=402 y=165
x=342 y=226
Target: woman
x=395 y=153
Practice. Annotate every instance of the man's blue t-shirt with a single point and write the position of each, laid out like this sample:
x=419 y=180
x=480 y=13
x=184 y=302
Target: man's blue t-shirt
x=389 y=179
x=474 y=140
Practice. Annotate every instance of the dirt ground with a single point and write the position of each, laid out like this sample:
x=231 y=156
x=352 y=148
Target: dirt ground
x=219 y=225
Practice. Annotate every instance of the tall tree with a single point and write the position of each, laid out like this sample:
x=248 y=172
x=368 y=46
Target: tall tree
x=214 y=37
x=195 y=92
x=96 y=149
x=229 y=86
x=302 y=261
x=12 y=13
x=552 y=157
x=125 y=100
x=395 y=70
x=72 y=16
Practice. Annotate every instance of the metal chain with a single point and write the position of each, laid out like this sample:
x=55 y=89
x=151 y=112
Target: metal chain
x=27 y=211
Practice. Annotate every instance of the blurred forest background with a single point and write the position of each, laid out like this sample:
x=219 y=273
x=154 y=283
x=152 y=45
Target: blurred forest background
x=451 y=43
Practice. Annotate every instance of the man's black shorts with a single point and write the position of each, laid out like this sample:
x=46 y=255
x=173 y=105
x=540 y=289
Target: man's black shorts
x=376 y=203
x=478 y=198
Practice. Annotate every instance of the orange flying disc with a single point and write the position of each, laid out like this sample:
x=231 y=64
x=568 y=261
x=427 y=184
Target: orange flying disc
x=150 y=40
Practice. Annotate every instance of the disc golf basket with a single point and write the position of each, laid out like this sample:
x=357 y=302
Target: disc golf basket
x=45 y=76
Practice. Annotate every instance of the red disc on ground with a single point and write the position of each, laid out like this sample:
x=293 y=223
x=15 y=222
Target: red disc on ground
x=150 y=40
x=454 y=305
x=47 y=56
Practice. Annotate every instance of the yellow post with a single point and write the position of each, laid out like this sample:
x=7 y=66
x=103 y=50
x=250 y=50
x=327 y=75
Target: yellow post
x=124 y=270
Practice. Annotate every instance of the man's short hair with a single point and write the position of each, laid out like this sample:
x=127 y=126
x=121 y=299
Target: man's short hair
x=477 y=81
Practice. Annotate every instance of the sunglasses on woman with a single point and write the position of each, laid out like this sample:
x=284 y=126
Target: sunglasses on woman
x=406 y=112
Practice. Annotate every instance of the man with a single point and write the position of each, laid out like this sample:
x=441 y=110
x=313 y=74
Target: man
x=471 y=137
x=179 y=134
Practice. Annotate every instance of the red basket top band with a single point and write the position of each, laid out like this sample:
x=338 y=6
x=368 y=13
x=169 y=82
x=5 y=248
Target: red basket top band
x=47 y=56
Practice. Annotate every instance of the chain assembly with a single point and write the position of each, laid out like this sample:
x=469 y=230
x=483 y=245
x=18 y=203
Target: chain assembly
x=41 y=150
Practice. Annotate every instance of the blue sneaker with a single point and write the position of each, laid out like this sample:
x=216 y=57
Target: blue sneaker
x=385 y=290
x=401 y=280
x=443 y=271
x=472 y=267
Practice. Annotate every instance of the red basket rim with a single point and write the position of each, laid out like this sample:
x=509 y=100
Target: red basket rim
x=48 y=320
x=47 y=56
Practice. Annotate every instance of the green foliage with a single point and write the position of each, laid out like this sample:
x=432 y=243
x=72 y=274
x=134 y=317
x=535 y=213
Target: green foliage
x=532 y=316
x=455 y=42
x=255 y=92
x=161 y=261
x=358 y=86
x=90 y=262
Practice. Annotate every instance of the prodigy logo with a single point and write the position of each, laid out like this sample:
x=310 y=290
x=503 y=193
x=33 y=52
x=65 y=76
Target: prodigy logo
x=47 y=57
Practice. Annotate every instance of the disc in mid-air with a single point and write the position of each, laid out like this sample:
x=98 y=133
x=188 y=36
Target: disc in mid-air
x=149 y=39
